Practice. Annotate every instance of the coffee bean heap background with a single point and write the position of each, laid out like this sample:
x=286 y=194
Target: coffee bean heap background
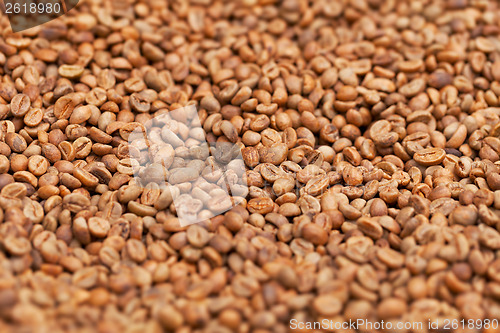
x=371 y=134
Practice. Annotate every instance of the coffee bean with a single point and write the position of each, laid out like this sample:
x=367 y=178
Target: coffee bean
x=20 y=105
x=70 y=71
x=16 y=142
x=98 y=227
x=429 y=156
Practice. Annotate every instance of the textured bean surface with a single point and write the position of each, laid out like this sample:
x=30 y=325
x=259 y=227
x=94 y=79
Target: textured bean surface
x=370 y=133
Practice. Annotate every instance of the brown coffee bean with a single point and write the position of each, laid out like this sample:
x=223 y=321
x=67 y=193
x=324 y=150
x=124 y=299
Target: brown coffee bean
x=315 y=234
x=260 y=205
x=274 y=154
x=51 y=152
x=352 y=176
x=86 y=277
x=390 y=257
x=327 y=306
x=370 y=228
x=136 y=250
x=17 y=246
x=14 y=190
x=80 y=114
x=82 y=147
x=371 y=185
x=391 y=308
x=16 y=142
x=316 y=185
x=140 y=209
x=37 y=165
x=64 y=107
x=20 y=105
x=33 y=117
x=98 y=227
x=70 y=71
x=429 y=156
x=197 y=236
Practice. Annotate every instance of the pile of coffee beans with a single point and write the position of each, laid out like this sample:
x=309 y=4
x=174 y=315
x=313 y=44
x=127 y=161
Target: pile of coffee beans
x=370 y=135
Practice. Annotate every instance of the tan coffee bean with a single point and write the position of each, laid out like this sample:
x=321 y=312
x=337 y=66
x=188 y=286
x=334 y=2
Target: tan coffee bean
x=20 y=105
x=140 y=209
x=136 y=250
x=64 y=107
x=85 y=278
x=391 y=308
x=14 y=190
x=250 y=156
x=390 y=257
x=275 y=154
x=260 y=205
x=429 y=156
x=17 y=246
x=82 y=147
x=16 y=142
x=197 y=236
x=37 y=165
x=289 y=209
x=370 y=228
x=352 y=176
x=233 y=221
x=98 y=227
x=85 y=177
x=33 y=117
x=80 y=114
x=51 y=152
x=76 y=202
x=381 y=84
x=327 y=306
x=70 y=71
x=315 y=234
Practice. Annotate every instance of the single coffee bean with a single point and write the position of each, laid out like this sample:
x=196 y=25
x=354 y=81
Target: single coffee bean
x=20 y=105
x=16 y=142
x=429 y=156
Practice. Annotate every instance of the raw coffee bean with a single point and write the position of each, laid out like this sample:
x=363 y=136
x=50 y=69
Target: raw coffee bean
x=136 y=250
x=429 y=156
x=14 y=190
x=98 y=227
x=352 y=176
x=326 y=305
x=20 y=105
x=86 y=277
x=33 y=117
x=64 y=107
x=315 y=234
x=16 y=142
x=368 y=185
x=391 y=308
x=464 y=215
x=233 y=221
x=38 y=165
x=370 y=228
x=70 y=71
x=439 y=79
x=17 y=246
x=274 y=154
x=260 y=205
